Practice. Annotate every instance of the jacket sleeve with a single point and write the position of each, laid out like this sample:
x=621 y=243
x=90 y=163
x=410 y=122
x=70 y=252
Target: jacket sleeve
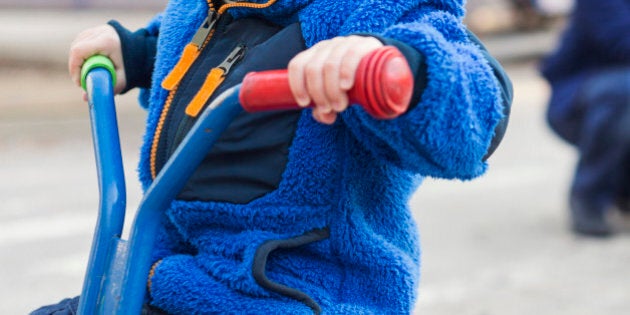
x=419 y=70
x=139 y=50
x=449 y=131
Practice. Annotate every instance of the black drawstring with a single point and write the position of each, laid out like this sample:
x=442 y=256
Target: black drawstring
x=260 y=262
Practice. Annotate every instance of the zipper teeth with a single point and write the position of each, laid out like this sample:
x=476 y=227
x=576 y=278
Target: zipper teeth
x=167 y=104
x=158 y=132
x=245 y=5
x=210 y=8
x=207 y=39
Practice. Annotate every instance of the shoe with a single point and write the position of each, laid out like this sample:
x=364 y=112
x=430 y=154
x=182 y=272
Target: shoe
x=588 y=219
x=623 y=204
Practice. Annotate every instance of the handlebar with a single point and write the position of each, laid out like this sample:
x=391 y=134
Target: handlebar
x=383 y=86
x=97 y=61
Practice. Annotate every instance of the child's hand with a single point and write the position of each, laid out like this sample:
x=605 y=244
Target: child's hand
x=97 y=40
x=324 y=73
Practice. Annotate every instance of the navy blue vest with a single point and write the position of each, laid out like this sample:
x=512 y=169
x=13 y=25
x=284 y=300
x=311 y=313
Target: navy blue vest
x=250 y=156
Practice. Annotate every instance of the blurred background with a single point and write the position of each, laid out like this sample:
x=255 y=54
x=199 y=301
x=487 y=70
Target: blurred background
x=497 y=245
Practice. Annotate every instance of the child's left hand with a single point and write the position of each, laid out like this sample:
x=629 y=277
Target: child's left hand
x=323 y=74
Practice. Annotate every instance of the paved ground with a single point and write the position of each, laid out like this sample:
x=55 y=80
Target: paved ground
x=496 y=245
x=500 y=245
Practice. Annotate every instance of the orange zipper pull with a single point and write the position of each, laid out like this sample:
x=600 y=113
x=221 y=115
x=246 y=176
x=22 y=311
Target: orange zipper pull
x=191 y=51
x=213 y=80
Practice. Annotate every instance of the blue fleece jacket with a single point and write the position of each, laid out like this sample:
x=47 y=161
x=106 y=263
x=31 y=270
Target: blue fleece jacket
x=337 y=235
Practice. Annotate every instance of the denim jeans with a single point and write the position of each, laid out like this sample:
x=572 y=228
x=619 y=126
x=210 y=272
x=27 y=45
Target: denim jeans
x=600 y=121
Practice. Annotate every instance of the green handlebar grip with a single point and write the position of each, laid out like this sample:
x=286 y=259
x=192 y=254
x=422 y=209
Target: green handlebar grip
x=97 y=61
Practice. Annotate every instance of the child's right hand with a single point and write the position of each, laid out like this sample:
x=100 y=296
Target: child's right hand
x=101 y=40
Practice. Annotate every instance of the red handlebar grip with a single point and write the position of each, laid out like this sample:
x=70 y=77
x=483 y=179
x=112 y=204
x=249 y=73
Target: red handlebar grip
x=383 y=86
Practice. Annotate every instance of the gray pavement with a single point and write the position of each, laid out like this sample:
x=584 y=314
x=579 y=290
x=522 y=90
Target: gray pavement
x=495 y=245
x=43 y=36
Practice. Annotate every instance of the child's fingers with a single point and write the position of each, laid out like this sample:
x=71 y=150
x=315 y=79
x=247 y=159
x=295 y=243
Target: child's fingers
x=297 y=81
x=98 y=40
x=306 y=75
x=79 y=51
x=327 y=118
x=78 y=54
x=337 y=97
x=75 y=61
x=315 y=78
x=358 y=47
x=323 y=74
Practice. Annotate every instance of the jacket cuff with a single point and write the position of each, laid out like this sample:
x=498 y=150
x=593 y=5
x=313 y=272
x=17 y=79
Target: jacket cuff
x=416 y=62
x=138 y=51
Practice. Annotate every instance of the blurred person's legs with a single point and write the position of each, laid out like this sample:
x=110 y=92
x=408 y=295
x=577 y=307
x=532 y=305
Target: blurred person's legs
x=601 y=176
x=623 y=194
x=623 y=197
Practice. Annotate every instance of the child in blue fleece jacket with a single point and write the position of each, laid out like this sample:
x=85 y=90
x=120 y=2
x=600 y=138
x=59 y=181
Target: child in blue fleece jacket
x=302 y=212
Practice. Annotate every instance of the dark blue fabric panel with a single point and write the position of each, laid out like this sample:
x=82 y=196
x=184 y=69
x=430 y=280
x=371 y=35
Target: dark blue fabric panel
x=249 y=158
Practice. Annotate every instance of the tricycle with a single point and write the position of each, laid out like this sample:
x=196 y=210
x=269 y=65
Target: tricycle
x=117 y=269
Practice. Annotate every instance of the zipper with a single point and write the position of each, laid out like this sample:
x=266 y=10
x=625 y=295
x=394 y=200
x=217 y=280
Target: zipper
x=214 y=78
x=171 y=81
x=199 y=39
x=235 y=56
x=190 y=53
x=246 y=5
x=199 y=101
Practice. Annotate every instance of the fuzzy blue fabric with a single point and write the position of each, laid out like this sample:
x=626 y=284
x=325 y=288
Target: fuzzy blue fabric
x=354 y=177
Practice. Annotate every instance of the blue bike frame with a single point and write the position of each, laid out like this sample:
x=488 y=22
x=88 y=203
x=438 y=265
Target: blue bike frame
x=117 y=271
x=111 y=214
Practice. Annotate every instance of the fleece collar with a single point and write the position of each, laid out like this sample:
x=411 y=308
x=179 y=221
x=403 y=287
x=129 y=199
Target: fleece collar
x=323 y=19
